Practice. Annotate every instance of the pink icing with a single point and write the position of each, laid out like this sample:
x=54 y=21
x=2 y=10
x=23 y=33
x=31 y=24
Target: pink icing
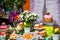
x=47 y=16
x=3 y=27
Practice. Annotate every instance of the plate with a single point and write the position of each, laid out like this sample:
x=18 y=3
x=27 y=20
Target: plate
x=34 y=38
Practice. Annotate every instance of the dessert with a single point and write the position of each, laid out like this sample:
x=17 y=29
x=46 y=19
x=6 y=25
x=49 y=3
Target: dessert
x=36 y=26
x=19 y=26
x=28 y=36
x=13 y=35
x=4 y=29
x=41 y=25
x=48 y=17
x=42 y=33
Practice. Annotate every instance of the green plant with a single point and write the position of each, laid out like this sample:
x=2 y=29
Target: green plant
x=9 y=4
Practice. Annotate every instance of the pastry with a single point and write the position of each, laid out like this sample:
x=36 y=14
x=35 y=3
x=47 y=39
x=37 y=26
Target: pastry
x=19 y=26
x=28 y=36
x=4 y=29
x=42 y=33
x=36 y=26
x=13 y=35
x=41 y=25
x=48 y=17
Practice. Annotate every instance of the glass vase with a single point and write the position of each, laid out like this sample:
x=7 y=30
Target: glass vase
x=26 y=29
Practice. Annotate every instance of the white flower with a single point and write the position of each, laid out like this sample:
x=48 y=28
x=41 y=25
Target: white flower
x=31 y=18
x=27 y=16
x=26 y=20
x=30 y=14
x=21 y=16
x=26 y=11
x=34 y=14
x=35 y=18
x=10 y=27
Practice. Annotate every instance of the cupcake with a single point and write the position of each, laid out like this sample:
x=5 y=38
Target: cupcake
x=4 y=29
x=13 y=36
x=36 y=26
x=42 y=33
x=48 y=17
x=41 y=25
x=19 y=26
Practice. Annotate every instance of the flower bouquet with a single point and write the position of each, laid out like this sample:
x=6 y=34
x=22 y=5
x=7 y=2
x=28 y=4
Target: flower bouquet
x=28 y=18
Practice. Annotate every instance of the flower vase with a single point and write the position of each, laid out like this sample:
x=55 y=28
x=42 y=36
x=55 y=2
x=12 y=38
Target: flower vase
x=56 y=37
x=26 y=29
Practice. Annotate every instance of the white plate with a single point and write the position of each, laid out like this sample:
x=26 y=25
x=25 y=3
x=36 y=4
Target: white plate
x=35 y=36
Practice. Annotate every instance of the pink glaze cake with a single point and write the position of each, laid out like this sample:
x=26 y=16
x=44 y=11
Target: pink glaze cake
x=48 y=17
x=4 y=29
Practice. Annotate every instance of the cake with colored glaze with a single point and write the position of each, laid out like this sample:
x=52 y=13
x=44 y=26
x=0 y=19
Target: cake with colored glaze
x=48 y=17
x=4 y=29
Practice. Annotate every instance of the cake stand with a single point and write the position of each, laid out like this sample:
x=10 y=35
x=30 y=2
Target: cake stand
x=48 y=23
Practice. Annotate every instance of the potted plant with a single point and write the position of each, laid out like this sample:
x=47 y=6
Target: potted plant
x=56 y=34
x=28 y=18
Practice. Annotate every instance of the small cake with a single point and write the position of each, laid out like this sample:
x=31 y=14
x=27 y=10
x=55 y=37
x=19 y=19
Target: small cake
x=19 y=26
x=36 y=26
x=13 y=36
x=48 y=17
x=4 y=26
x=41 y=25
x=42 y=33
x=28 y=36
x=4 y=29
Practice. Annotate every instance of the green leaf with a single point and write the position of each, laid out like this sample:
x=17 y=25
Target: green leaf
x=10 y=3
